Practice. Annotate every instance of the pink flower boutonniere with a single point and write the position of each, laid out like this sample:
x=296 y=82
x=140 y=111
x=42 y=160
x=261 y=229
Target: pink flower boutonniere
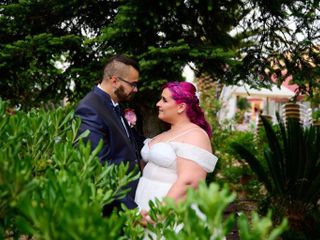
x=130 y=116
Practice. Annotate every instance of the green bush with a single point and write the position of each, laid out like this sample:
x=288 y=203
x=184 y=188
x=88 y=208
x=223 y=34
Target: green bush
x=201 y=216
x=49 y=188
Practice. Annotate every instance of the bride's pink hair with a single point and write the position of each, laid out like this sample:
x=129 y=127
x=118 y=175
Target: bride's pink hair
x=185 y=92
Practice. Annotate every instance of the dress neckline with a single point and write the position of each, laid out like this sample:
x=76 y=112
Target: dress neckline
x=176 y=142
x=170 y=139
x=175 y=137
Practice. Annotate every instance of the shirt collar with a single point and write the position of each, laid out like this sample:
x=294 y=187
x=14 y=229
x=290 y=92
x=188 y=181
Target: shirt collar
x=113 y=102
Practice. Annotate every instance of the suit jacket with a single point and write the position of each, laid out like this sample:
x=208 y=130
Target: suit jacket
x=97 y=114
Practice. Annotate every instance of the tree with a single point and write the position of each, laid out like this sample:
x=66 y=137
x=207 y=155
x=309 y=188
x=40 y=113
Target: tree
x=231 y=41
x=35 y=35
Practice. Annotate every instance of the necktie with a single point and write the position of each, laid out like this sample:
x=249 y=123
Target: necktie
x=118 y=112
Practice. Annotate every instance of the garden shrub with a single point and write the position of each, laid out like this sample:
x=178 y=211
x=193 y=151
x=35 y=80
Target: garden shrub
x=50 y=188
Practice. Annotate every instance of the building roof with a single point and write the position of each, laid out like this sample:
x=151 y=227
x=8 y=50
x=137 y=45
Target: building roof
x=246 y=91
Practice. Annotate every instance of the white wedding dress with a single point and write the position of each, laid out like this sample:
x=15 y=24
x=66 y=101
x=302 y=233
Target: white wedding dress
x=160 y=172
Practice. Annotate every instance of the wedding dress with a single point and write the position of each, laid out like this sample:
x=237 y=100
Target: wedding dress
x=160 y=172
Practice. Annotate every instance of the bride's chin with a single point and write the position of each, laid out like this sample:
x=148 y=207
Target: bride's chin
x=160 y=116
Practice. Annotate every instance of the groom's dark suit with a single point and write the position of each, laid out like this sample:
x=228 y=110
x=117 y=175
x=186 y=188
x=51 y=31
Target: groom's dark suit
x=98 y=114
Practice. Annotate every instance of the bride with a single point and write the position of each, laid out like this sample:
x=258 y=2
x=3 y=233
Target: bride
x=179 y=158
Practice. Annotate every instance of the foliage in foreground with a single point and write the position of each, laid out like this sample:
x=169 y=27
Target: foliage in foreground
x=201 y=216
x=51 y=188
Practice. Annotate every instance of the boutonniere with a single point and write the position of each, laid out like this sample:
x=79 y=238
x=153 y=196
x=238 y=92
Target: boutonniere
x=130 y=116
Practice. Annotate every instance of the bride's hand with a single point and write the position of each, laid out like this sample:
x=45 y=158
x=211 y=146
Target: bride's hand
x=145 y=218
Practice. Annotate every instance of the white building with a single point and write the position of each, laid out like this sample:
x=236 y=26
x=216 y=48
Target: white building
x=266 y=100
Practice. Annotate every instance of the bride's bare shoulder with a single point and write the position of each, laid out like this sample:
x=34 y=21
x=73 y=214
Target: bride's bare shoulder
x=198 y=138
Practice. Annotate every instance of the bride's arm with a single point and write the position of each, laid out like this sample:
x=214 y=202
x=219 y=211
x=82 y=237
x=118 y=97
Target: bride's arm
x=189 y=172
x=189 y=175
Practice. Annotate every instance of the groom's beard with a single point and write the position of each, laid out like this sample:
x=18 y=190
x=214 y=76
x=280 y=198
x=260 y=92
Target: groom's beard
x=121 y=95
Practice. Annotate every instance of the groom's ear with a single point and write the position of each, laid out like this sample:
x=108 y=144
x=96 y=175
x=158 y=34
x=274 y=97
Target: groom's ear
x=113 y=79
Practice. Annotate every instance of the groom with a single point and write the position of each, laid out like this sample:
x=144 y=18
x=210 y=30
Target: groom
x=100 y=113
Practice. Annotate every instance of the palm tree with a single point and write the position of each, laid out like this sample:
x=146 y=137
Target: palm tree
x=291 y=173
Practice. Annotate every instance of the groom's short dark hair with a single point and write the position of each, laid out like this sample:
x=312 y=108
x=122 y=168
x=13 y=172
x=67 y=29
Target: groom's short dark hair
x=125 y=60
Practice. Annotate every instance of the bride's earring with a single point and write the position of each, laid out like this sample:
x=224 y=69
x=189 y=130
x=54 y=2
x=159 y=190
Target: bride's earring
x=180 y=111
